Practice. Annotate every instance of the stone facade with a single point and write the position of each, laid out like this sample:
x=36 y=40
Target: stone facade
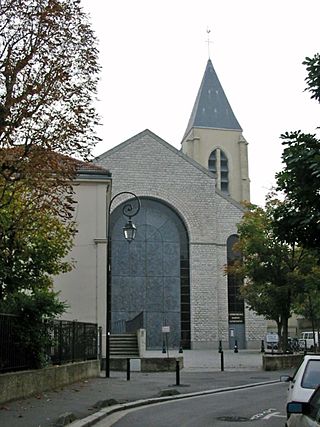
x=151 y=168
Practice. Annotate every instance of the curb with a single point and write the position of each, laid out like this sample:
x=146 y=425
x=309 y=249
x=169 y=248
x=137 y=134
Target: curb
x=103 y=413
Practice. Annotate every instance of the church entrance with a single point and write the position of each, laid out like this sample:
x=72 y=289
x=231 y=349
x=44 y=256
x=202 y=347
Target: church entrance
x=150 y=282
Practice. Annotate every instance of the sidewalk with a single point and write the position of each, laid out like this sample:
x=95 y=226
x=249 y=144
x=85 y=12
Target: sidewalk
x=201 y=372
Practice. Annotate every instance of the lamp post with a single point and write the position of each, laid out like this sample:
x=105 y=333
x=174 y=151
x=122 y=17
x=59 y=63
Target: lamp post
x=129 y=231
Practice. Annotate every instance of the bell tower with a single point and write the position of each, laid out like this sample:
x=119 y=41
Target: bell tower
x=214 y=138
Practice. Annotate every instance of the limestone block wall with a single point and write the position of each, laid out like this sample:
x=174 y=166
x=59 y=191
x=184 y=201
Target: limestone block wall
x=256 y=328
x=204 y=296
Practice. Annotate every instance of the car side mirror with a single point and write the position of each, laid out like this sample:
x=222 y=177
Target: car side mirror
x=298 y=408
x=285 y=378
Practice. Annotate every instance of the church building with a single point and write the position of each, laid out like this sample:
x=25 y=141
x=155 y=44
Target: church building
x=173 y=274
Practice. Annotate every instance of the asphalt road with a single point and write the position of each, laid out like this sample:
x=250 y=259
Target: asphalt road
x=262 y=406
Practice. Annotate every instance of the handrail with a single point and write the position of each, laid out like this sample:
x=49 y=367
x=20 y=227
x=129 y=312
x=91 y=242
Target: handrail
x=136 y=323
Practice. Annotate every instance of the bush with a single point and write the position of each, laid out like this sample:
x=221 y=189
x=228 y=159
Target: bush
x=33 y=312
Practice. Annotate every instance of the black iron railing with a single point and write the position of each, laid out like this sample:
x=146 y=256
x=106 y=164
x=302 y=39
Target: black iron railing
x=12 y=355
x=71 y=342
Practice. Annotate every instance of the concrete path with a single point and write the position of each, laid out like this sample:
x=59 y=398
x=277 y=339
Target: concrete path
x=201 y=372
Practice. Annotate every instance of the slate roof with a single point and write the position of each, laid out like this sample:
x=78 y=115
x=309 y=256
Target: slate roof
x=211 y=108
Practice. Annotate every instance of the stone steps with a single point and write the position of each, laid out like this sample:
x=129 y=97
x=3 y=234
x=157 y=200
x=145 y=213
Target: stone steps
x=124 y=346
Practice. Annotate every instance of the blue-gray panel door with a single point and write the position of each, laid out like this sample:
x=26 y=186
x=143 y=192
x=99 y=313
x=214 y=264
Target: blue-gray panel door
x=146 y=273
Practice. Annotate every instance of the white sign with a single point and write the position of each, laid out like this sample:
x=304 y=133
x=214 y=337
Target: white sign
x=165 y=329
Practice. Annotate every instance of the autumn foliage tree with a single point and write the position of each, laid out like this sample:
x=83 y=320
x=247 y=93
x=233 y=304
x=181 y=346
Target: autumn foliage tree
x=48 y=78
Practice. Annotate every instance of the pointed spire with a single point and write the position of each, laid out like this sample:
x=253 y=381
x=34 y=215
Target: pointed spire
x=211 y=108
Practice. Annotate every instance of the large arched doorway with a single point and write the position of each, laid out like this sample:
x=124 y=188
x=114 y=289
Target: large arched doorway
x=150 y=276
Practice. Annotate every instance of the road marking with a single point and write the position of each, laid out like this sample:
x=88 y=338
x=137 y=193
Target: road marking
x=262 y=414
x=274 y=414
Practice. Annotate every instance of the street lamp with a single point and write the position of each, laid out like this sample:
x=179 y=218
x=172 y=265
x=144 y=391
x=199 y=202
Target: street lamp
x=129 y=231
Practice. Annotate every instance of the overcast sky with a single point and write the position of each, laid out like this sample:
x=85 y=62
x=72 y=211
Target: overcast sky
x=154 y=53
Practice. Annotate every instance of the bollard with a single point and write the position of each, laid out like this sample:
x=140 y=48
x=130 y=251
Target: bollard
x=236 y=346
x=164 y=347
x=177 y=372
x=128 y=369
x=222 y=361
x=220 y=346
x=262 y=346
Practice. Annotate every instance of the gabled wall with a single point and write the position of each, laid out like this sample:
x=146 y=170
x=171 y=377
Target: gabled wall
x=149 y=167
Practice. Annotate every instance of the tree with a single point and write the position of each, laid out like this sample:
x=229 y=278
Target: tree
x=272 y=269
x=33 y=246
x=299 y=218
x=48 y=78
x=33 y=314
x=313 y=77
x=307 y=303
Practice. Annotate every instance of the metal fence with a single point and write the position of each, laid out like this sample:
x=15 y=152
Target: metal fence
x=12 y=355
x=71 y=342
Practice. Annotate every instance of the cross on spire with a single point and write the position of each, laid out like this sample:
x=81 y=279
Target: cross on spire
x=208 y=41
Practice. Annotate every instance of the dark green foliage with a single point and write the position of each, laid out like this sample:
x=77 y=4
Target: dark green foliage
x=313 y=78
x=298 y=219
x=34 y=312
x=274 y=271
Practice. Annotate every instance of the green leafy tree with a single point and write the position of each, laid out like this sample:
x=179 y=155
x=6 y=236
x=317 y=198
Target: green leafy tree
x=33 y=246
x=272 y=269
x=307 y=303
x=34 y=312
x=313 y=77
x=299 y=218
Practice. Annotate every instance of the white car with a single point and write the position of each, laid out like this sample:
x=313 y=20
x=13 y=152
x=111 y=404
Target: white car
x=305 y=414
x=302 y=385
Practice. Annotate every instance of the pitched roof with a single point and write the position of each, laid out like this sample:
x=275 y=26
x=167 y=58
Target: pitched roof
x=91 y=167
x=168 y=146
x=211 y=108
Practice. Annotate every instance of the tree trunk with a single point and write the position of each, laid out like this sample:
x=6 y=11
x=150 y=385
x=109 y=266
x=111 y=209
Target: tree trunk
x=279 y=330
